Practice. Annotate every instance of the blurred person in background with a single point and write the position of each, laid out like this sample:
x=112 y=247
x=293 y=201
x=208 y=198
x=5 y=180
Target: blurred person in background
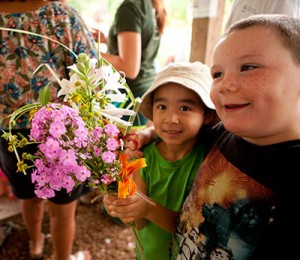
x=20 y=55
x=244 y=8
x=133 y=42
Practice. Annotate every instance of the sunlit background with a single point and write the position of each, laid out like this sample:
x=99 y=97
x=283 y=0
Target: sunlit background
x=100 y=14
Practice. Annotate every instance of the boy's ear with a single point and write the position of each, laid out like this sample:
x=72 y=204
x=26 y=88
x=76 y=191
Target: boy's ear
x=210 y=118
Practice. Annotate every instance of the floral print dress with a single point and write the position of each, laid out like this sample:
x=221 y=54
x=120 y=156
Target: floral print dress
x=21 y=54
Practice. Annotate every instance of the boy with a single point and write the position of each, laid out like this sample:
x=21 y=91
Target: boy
x=179 y=105
x=243 y=201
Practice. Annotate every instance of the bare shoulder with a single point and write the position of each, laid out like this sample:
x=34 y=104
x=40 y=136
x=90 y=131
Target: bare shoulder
x=18 y=6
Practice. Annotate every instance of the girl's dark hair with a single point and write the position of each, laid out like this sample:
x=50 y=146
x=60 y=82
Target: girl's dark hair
x=161 y=14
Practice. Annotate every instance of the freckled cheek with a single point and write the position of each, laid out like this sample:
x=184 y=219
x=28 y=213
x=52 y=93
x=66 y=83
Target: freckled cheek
x=214 y=96
x=258 y=82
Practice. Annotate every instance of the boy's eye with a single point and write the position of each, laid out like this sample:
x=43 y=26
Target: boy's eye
x=184 y=108
x=248 y=67
x=161 y=107
x=217 y=75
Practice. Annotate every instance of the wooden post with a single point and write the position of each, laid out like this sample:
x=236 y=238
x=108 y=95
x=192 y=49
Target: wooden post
x=206 y=30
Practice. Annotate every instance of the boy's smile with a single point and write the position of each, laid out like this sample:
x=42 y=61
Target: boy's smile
x=234 y=107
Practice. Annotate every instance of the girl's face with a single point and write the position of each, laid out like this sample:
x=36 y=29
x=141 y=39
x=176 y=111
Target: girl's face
x=256 y=86
x=178 y=114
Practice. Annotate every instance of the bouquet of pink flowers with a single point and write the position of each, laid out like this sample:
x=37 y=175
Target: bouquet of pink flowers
x=82 y=139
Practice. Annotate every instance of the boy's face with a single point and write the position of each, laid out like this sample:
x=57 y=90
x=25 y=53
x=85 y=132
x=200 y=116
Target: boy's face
x=256 y=86
x=178 y=114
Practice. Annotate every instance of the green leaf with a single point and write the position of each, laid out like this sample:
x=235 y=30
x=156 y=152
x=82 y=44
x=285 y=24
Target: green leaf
x=32 y=54
x=11 y=56
x=44 y=95
x=24 y=76
x=43 y=49
x=26 y=89
x=18 y=63
x=35 y=95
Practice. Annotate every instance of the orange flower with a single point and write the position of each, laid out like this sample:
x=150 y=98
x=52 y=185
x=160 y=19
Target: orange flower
x=126 y=185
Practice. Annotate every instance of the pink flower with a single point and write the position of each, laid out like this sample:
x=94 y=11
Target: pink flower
x=112 y=144
x=68 y=183
x=111 y=129
x=108 y=157
x=55 y=181
x=68 y=158
x=97 y=151
x=107 y=179
x=45 y=193
x=57 y=128
x=50 y=148
x=82 y=173
x=97 y=132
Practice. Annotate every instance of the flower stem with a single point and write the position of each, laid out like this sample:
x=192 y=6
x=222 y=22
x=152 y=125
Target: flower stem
x=145 y=198
x=131 y=118
x=39 y=35
x=138 y=241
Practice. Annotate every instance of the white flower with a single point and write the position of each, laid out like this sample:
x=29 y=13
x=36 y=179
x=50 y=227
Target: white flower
x=68 y=87
x=97 y=88
x=75 y=69
x=113 y=79
x=92 y=65
x=117 y=97
x=113 y=113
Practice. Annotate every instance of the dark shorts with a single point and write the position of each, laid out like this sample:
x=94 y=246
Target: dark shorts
x=21 y=184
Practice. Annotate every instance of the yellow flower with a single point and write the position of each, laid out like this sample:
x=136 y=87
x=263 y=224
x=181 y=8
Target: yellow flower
x=126 y=185
x=76 y=98
x=21 y=166
x=31 y=113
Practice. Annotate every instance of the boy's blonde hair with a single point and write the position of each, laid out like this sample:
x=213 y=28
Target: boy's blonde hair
x=287 y=28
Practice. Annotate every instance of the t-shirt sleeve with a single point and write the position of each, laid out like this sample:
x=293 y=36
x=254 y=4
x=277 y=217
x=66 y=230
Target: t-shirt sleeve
x=128 y=19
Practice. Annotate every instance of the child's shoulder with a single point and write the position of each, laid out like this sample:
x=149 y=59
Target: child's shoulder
x=208 y=138
x=151 y=146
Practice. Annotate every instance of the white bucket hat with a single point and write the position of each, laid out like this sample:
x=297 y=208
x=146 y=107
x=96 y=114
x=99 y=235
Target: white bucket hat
x=192 y=75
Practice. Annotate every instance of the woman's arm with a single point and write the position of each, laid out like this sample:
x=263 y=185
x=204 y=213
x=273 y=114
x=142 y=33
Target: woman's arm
x=130 y=52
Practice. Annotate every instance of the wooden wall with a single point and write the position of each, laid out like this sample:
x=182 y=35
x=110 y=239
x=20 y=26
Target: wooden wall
x=205 y=34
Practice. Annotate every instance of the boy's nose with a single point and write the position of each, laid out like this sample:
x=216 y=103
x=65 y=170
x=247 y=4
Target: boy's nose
x=172 y=118
x=229 y=84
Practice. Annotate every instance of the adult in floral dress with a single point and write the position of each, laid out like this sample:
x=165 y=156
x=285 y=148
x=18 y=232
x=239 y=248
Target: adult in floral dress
x=20 y=54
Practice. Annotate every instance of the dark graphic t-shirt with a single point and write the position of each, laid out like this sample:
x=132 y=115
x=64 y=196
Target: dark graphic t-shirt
x=243 y=203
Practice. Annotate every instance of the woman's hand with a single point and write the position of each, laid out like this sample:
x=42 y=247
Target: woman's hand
x=96 y=33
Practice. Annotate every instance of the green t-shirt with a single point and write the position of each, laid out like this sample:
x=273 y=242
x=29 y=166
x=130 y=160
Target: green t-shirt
x=169 y=184
x=137 y=16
